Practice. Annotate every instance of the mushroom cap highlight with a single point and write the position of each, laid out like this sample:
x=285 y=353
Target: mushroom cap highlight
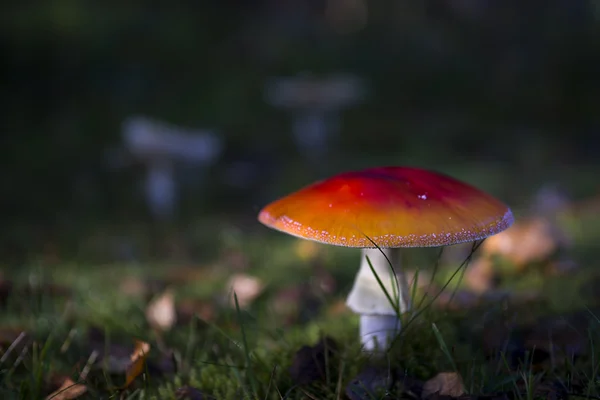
x=391 y=207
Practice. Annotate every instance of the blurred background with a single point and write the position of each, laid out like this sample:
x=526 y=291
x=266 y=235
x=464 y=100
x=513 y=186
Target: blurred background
x=134 y=131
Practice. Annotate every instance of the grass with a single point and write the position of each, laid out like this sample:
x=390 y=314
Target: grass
x=62 y=318
x=246 y=353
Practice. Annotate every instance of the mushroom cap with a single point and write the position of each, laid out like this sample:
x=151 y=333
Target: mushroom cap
x=390 y=206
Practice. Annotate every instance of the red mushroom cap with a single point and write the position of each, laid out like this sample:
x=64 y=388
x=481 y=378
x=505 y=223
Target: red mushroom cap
x=393 y=206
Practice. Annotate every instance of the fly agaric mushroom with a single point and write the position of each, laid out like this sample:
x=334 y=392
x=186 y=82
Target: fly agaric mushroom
x=389 y=207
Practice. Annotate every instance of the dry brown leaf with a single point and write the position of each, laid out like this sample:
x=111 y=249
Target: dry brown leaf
x=527 y=241
x=160 y=313
x=444 y=384
x=138 y=362
x=246 y=287
x=68 y=390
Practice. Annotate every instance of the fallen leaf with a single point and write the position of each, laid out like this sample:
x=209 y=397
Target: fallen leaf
x=191 y=393
x=444 y=384
x=246 y=287
x=118 y=358
x=68 y=390
x=138 y=362
x=160 y=313
x=527 y=241
x=311 y=362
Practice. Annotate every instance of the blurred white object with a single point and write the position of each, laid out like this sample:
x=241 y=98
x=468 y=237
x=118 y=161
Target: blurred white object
x=160 y=189
x=315 y=104
x=245 y=287
x=161 y=313
x=147 y=138
x=159 y=146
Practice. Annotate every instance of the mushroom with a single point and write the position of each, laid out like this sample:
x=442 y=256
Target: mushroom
x=382 y=208
x=159 y=146
x=315 y=104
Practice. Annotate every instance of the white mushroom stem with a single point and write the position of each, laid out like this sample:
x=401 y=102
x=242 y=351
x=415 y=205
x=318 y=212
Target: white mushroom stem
x=160 y=189
x=379 y=314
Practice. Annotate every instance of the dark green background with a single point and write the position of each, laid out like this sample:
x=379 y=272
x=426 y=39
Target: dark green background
x=507 y=90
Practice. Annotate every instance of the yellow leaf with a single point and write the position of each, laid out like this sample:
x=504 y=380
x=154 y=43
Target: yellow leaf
x=138 y=362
